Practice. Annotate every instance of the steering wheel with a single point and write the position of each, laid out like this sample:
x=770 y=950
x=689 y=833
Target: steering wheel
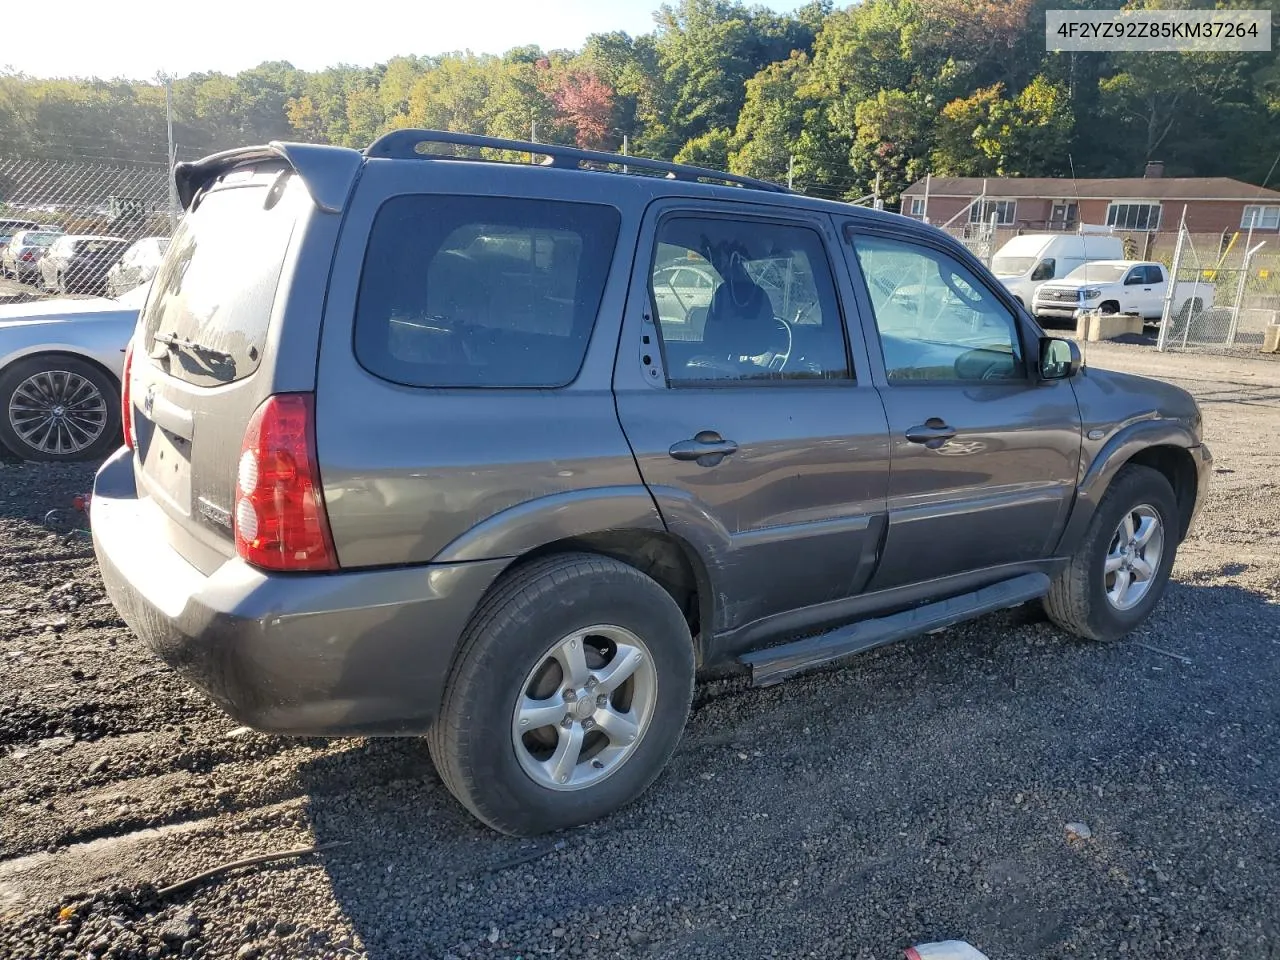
x=731 y=366
x=778 y=362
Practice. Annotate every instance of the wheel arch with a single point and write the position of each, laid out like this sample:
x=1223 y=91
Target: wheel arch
x=621 y=522
x=671 y=562
x=1163 y=445
x=1178 y=467
x=40 y=354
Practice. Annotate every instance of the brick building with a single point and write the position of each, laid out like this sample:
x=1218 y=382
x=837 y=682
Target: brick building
x=1149 y=204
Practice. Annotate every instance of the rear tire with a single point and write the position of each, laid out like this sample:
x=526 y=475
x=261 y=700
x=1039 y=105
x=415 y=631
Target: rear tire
x=572 y=762
x=1097 y=603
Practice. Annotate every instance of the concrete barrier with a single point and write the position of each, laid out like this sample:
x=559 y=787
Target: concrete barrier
x=1093 y=325
x=1271 y=337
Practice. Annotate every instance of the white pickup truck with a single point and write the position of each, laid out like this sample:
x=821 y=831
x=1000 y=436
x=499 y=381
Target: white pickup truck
x=1119 y=286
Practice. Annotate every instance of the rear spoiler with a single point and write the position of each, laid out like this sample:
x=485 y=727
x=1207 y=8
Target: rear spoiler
x=329 y=173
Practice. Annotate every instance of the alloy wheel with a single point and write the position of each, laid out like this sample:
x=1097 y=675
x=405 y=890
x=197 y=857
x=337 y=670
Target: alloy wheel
x=57 y=412
x=1133 y=557
x=584 y=707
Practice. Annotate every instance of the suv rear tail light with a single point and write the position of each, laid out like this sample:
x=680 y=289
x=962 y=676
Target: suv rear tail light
x=126 y=400
x=280 y=519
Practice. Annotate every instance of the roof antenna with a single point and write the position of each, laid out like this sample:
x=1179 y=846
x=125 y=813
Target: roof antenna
x=1075 y=188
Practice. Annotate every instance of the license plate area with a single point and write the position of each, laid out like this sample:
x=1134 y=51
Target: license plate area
x=167 y=467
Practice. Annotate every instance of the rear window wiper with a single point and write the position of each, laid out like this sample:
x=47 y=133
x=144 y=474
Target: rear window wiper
x=174 y=342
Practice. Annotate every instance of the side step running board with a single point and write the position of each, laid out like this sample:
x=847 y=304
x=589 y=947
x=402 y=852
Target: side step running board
x=775 y=664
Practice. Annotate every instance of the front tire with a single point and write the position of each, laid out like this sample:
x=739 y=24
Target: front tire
x=1121 y=567
x=568 y=696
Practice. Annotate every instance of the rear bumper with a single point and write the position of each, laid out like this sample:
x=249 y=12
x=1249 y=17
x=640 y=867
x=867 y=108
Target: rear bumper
x=359 y=653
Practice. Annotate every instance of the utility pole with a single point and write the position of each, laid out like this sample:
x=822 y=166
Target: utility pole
x=791 y=170
x=924 y=210
x=624 y=151
x=173 y=153
x=533 y=134
x=875 y=194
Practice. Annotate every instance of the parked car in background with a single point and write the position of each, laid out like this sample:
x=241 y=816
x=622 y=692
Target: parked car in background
x=1026 y=262
x=79 y=264
x=20 y=259
x=1119 y=286
x=380 y=479
x=10 y=226
x=60 y=367
x=137 y=265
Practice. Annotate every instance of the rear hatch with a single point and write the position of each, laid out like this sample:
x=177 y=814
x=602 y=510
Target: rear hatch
x=202 y=359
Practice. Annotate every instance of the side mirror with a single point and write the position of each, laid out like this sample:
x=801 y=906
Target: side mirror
x=1133 y=280
x=1059 y=358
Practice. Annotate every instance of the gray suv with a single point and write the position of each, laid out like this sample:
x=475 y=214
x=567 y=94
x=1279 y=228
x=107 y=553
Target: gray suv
x=427 y=443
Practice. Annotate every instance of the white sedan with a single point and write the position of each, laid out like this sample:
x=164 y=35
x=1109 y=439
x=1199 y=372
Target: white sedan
x=60 y=367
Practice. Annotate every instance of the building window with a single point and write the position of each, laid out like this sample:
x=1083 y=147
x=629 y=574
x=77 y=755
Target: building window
x=917 y=206
x=1134 y=216
x=1260 y=218
x=1004 y=211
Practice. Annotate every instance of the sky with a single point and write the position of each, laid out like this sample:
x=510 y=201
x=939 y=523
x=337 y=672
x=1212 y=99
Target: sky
x=140 y=38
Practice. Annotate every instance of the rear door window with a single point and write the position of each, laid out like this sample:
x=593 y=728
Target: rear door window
x=482 y=291
x=206 y=321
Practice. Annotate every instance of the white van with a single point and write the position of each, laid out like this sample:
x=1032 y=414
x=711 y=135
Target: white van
x=1027 y=261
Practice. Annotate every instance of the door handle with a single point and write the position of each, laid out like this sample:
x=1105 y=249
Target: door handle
x=932 y=433
x=707 y=444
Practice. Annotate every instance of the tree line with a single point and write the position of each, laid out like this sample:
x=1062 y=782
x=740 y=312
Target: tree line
x=834 y=98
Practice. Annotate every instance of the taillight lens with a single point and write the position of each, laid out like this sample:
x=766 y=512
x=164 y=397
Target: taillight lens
x=280 y=519
x=28 y=256
x=126 y=400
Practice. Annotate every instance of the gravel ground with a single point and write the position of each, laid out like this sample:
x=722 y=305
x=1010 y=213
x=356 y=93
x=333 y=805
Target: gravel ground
x=920 y=793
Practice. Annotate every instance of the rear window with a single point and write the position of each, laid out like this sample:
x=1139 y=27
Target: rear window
x=215 y=287
x=482 y=291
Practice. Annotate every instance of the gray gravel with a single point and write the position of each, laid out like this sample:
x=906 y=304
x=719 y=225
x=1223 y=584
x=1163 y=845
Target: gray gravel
x=998 y=783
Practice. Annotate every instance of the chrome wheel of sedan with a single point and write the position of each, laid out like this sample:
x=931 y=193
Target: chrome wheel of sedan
x=1133 y=557
x=58 y=412
x=585 y=707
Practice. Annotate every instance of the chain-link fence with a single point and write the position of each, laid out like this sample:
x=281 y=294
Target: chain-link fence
x=1221 y=298
x=42 y=201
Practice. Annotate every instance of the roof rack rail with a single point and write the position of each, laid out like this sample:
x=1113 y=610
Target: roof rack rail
x=403 y=145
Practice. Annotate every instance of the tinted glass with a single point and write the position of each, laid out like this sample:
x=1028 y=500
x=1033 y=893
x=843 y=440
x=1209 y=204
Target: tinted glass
x=217 y=283
x=744 y=300
x=482 y=291
x=937 y=321
x=1155 y=274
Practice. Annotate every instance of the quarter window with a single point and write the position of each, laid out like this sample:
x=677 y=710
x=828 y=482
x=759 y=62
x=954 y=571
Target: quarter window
x=740 y=300
x=936 y=320
x=482 y=291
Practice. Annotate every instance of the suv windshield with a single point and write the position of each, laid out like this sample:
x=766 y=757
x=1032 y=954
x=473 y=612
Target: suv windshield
x=1098 y=272
x=217 y=282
